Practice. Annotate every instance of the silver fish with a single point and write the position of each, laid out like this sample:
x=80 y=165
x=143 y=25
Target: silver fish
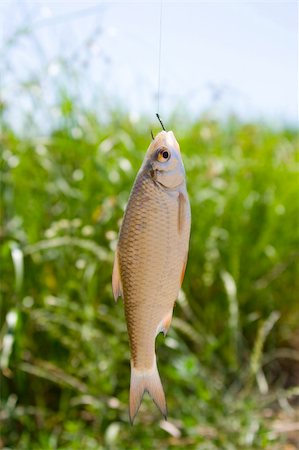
x=150 y=260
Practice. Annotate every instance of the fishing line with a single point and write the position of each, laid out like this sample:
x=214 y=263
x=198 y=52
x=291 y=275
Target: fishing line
x=159 y=58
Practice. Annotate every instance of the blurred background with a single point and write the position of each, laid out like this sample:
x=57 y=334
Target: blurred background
x=79 y=93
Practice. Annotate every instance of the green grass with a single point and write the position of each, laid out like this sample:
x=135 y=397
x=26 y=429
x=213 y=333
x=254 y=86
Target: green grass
x=65 y=357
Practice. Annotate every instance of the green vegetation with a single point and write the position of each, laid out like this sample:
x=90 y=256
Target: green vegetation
x=231 y=352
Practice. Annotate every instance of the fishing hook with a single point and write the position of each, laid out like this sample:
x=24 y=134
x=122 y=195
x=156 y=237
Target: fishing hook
x=158 y=117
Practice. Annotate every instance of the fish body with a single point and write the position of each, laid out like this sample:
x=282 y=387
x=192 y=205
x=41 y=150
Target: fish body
x=150 y=260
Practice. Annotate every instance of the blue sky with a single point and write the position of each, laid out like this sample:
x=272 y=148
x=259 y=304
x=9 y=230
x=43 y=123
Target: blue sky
x=236 y=56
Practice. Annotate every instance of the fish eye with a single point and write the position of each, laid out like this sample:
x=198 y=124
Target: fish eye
x=163 y=155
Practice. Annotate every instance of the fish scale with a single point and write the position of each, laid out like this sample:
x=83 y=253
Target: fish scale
x=150 y=260
x=142 y=293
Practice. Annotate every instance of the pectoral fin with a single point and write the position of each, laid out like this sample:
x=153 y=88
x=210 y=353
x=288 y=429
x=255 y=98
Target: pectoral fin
x=116 y=280
x=181 y=212
x=184 y=269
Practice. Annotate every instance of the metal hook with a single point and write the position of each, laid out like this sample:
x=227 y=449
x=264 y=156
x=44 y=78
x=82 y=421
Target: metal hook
x=158 y=117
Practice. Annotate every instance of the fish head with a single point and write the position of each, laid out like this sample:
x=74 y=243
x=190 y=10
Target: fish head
x=163 y=161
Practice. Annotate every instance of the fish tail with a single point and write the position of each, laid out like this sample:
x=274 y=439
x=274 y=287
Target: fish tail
x=146 y=380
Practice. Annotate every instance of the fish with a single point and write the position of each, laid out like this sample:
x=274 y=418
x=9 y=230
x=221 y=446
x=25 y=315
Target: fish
x=150 y=261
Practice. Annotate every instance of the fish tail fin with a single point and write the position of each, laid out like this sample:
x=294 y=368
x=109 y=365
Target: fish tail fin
x=146 y=380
